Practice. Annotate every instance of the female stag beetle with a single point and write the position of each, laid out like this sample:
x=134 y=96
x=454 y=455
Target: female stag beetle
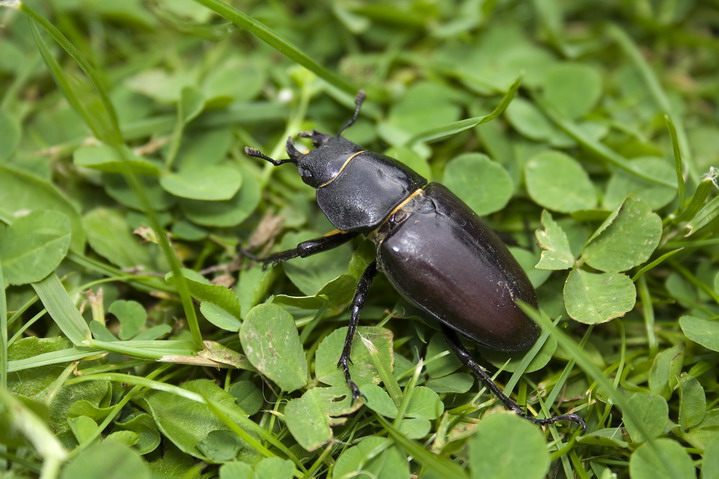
x=432 y=247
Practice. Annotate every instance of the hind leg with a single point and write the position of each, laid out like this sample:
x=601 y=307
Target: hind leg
x=463 y=355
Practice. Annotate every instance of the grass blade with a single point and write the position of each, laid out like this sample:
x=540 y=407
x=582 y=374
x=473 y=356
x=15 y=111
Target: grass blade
x=241 y=433
x=154 y=385
x=441 y=466
x=704 y=216
x=459 y=126
x=47 y=359
x=648 y=312
x=104 y=115
x=240 y=424
x=601 y=151
x=139 y=381
x=276 y=41
x=706 y=186
x=584 y=362
x=3 y=333
x=37 y=432
x=655 y=263
x=62 y=310
x=693 y=279
x=143 y=283
x=154 y=349
x=103 y=122
x=526 y=360
x=656 y=91
x=677 y=161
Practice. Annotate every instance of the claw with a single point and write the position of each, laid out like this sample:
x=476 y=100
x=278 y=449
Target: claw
x=356 y=394
x=246 y=253
x=551 y=420
x=344 y=362
x=255 y=258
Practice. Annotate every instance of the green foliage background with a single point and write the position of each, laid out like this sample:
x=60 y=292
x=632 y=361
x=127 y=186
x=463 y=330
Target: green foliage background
x=136 y=342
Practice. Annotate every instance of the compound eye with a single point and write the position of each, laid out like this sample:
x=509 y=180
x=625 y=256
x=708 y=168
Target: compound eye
x=305 y=173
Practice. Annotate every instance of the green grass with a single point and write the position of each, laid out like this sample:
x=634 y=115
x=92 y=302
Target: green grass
x=136 y=342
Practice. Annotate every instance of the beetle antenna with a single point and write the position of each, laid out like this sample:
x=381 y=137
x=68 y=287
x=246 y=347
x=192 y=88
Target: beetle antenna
x=254 y=152
x=359 y=99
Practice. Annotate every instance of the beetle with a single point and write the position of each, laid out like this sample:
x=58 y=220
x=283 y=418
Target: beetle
x=434 y=250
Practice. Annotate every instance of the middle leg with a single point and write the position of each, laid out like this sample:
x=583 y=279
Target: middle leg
x=304 y=249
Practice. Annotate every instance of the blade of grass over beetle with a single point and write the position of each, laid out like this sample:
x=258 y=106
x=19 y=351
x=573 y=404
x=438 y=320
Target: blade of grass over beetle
x=584 y=362
x=276 y=41
x=561 y=383
x=459 y=126
x=526 y=360
x=103 y=114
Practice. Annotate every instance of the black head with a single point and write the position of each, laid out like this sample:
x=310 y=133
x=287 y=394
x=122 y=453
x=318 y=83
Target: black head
x=321 y=165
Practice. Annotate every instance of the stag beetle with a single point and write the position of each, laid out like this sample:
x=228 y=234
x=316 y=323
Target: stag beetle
x=431 y=246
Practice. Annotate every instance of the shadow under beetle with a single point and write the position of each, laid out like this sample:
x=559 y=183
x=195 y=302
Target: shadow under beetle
x=431 y=246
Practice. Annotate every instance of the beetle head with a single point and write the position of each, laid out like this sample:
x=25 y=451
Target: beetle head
x=321 y=165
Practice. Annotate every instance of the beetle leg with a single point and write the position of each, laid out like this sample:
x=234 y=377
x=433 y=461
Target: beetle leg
x=357 y=303
x=304 y=249
x=463 y=355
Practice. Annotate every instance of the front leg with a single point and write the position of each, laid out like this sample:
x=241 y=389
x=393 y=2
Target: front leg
x=304 y=249
x=357 y=303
